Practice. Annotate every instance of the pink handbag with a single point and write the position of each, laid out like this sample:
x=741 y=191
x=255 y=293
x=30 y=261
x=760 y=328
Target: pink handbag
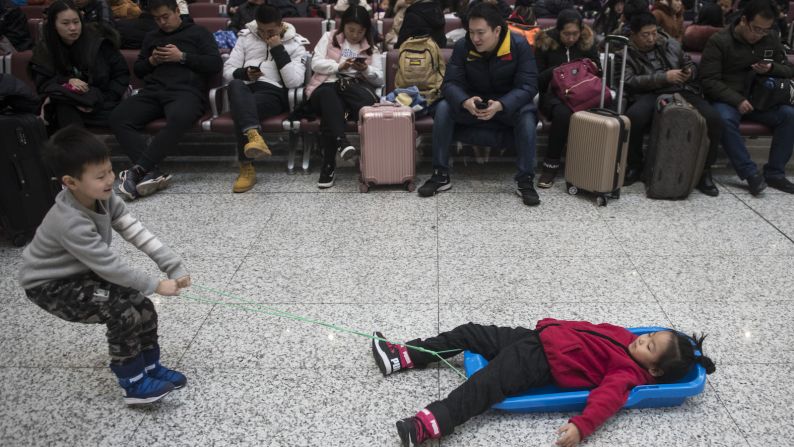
x=578 y=85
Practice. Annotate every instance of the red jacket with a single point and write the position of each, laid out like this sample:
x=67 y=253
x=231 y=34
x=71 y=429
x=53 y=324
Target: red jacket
x=580 y=359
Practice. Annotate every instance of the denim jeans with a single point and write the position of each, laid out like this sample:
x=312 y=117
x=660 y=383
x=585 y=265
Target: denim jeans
x=780 y=119
x=450 y=121
x=251 y=103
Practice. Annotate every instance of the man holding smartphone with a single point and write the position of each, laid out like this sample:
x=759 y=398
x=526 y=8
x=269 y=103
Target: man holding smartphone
x=266 y=61
x=750 y=46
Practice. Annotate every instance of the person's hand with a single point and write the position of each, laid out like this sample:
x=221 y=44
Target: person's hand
x=569 y=435
x=183 y=282
x=494 y=107
x=761 y=67
x=253 y=73
x=78 y=85
x=168 y=287
x=676 y=76
x=168 y=53
x=470 y=106
x=274 y=40
x=359 y=66
x=745 y=107
x=346 y=64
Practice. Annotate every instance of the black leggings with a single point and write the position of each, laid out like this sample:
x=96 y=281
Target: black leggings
x=516 y=364
x=334 y=111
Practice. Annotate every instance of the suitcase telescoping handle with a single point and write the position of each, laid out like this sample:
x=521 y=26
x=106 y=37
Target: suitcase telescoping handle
x=621 y=40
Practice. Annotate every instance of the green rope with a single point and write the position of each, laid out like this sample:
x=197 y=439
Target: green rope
x=267 y=310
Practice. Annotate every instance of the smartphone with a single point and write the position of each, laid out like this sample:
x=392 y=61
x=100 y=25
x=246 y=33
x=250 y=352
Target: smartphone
x=482 y=105
x=253 y=68
x=360 y=60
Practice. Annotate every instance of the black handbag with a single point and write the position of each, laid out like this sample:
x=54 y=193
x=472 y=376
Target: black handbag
x=356 y=94
x=767 y=92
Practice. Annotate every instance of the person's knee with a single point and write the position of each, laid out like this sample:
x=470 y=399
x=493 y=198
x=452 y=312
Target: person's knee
x=727 y=113
x=787 y=115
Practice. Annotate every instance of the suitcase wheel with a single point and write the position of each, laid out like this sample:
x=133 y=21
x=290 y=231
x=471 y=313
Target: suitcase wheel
x=363 y=187
x=601 y=200
x=572 y=190
x=410 y=186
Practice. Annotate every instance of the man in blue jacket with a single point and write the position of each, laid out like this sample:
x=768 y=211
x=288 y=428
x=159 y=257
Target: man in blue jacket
x=488 y=88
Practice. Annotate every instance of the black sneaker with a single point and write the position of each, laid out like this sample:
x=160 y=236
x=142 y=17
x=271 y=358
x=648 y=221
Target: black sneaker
x=389 y=357
x=326 y=177
x=756 y=184
x=411 y=432
x=781 y=183
x=438 y=182
x=152 y=182
x=130 y=178
x=527 y=192
x=346 y=150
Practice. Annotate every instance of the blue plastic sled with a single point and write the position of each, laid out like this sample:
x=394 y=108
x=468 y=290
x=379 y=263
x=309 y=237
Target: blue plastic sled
x=552 y=398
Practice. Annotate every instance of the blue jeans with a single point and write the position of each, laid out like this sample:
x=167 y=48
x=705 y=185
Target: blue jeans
x=780 y=119
x=450 y=121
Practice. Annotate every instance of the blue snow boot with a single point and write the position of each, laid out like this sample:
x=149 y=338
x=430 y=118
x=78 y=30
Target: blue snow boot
x=138 y=387
x=151 y=358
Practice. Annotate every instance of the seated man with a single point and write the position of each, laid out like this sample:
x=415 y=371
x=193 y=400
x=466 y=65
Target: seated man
x=175 y=62
x=265 y=62
x=749 y=46
x=657 y=64
x=488 y=89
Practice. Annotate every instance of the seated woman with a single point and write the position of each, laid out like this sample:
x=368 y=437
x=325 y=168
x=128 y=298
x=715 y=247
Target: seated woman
x=610 y=19
x=82 y=73
x=670 y=15
x=571 y=39
x=347 y=68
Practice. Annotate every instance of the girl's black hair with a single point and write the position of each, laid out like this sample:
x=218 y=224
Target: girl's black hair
x=681 y=356
x=567 y=16
x=70 y=149
x=711 y=15
x=356 y=14
x=65 y=59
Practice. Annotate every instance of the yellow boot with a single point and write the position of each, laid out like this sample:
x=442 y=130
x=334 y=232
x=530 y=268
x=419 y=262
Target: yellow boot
x=247 y=178
x=256 y=147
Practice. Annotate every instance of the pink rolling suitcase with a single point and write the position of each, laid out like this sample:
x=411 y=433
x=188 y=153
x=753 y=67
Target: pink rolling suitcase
x=388 y=143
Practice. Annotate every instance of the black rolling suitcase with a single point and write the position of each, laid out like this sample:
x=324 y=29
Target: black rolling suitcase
x=677 y=149
x=27 y=190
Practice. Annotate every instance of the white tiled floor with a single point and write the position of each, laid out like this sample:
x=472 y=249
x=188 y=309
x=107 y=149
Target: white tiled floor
x=410 y=267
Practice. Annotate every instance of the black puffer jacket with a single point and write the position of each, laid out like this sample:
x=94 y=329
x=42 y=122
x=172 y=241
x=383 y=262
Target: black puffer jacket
x=551 y=8
x=550 y=53
x=14 y=26
x=643 y=77
x=423 y=18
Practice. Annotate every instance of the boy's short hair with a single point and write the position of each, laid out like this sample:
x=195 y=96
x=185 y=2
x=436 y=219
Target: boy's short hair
x=70 y=149
x=155 y=4
x=641 y=20
x=267 y=14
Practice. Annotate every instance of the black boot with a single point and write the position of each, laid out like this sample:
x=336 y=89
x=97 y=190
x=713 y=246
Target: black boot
x=706 y=184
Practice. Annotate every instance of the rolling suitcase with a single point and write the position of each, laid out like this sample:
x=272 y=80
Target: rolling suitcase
x=677 y=149
x=598 y=142
x=388 y=143
x=27 y=190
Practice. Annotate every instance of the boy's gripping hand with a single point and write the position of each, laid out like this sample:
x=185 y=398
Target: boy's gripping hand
x=183 y=282
x=168 y=287
x=569 y=435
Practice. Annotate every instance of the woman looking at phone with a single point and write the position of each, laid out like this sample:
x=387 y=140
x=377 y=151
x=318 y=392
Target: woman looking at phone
x=347 y=68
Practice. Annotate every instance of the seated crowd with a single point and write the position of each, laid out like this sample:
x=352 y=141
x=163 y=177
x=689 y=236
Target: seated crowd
x=492 y=79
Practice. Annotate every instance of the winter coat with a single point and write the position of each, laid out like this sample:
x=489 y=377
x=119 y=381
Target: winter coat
x=579 y=359
x=108 y=72
x=281 y=66
x=202 y=60
x=672 y=23
x=550 y=54
x=726 y=62
x=399 y=15
x=551 y=8
x=16 y=95
x=245 y=13
x=327 y=57
x=642 y=77
x=14 y=26
x=507 y=74
x=422 y=18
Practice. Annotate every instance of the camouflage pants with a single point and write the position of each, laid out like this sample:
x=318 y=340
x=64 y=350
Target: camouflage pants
x=130 y=317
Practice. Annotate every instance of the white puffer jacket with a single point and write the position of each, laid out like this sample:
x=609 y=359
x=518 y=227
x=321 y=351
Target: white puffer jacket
x=252 y=50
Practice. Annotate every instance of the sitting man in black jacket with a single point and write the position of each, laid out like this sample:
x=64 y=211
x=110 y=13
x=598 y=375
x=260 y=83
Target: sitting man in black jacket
x=13 y=28
x=175 y=64
x=488 y=88
x=656 y=65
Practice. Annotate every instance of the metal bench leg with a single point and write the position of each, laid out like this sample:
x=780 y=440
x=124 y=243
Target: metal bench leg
x=308 y=144
x=292 y=152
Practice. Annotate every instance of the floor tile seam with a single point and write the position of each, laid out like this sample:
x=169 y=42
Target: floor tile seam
x=717 y=395
x=438 y=289
x=762 y=216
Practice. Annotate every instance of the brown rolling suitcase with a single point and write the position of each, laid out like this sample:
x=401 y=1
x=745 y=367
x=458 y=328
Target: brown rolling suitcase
x=598 y=142
x=388 y=146
x=677 y=149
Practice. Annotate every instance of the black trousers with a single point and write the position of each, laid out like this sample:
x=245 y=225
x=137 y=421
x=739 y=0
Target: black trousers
x=560 y=116
x=130 y=317
x=250 y=104
x=181 y=110
x=516 y=363
x=642 y=111
x=62 y=114
x=332 y=109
